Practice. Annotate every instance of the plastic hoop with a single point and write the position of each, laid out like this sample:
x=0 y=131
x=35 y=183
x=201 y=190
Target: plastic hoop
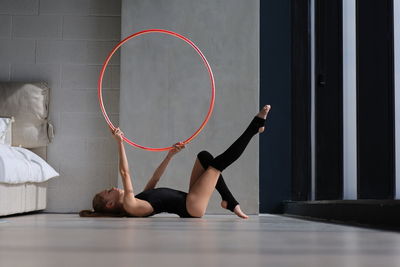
x=210 y=73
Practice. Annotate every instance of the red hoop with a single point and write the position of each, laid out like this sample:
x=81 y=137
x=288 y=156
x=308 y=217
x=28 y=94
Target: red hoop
x=100 y=81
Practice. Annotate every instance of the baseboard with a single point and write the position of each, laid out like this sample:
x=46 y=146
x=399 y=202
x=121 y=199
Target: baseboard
x=373 y=213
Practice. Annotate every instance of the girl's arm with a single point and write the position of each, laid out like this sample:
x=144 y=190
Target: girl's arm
x=160 y=170
x=129 y=197
x=132 y=205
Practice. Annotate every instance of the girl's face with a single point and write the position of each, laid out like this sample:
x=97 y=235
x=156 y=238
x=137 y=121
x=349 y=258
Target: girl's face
x=112 y=194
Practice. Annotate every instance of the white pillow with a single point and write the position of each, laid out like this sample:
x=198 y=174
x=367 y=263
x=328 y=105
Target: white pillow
x=5 y=130
x=20 y=165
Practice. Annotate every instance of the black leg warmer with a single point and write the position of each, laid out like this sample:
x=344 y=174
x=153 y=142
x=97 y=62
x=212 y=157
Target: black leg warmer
x=205 y=158
x=222 y=161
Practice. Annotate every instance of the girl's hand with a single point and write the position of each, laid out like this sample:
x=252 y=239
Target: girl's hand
x=118 y=134
x=177 y=147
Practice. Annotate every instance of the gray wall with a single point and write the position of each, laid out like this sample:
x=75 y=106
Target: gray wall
x=64 y=43
x=165 y=89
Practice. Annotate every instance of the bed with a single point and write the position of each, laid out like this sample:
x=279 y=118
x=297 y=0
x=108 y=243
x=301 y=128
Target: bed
x=24 y=135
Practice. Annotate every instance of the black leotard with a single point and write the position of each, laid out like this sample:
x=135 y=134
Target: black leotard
x=174 y=201
x=165 y=199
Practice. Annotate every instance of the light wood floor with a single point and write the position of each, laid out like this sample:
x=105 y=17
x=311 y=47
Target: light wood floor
x=215 y=240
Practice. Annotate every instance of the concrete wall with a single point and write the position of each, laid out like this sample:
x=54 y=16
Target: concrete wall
x=64 y=43
x=165 y=90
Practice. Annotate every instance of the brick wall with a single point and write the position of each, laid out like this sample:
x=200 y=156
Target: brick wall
x=64 y=43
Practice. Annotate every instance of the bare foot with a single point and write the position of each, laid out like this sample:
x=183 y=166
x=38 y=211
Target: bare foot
x=236 y=210
x=263 y=114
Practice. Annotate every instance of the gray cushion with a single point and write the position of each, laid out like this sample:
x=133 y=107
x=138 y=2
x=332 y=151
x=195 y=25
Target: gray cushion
x=28 y=104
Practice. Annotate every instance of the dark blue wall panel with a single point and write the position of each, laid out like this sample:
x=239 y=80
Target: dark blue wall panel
x=275 y=89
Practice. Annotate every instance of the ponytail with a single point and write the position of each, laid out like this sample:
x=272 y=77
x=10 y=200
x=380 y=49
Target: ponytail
x=91 y=213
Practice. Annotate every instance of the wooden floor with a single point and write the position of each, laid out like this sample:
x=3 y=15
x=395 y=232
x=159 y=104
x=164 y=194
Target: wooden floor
x=166 y=240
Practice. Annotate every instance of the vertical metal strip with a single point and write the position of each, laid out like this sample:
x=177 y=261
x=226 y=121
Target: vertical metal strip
x=312 y=12
x=349 y=101
x=396 y=8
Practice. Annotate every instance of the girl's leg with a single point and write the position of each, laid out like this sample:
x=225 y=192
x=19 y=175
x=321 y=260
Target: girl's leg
x=228 y=201
x=201 y=190
x=197 y=171
x=205 y=158
x=200 y=193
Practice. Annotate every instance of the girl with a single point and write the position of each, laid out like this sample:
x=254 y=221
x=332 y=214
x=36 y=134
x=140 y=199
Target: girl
x=206 y=175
